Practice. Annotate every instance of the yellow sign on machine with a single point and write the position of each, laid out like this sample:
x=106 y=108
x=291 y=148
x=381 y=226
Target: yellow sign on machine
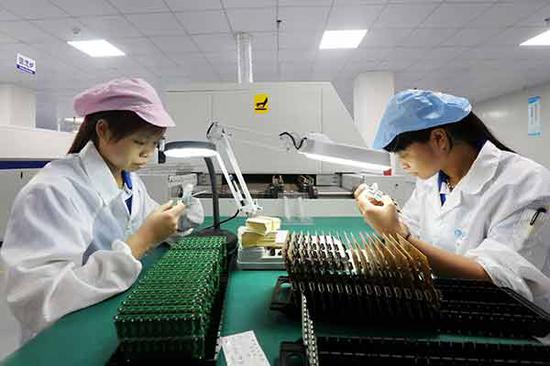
x=261 y=103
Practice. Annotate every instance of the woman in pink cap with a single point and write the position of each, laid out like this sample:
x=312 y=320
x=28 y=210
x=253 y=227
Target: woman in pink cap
x=78 y=229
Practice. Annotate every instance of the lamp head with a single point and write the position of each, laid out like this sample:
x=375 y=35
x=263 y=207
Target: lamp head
x=190 y=149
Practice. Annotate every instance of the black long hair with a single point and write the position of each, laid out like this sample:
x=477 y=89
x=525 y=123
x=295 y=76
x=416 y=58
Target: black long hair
x=120 y=123
x=470 y=130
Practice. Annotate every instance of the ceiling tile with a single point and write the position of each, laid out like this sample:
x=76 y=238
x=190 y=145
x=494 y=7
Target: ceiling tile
x=300 y=40
x=136 y=46
x=405 y=15
x=427 y=37
x=295 y=71
x=303 y=18
x=222 y=57
x=263 y=58
x=385 y=37
x=252 y=20
x=206 y=74
x=248 y=3
x=33 y=9
x=6 y=39
x=6 y=15
x=215 y=42
x=394 y=65
x=296 y=56
x=156 y=24
x=359 y=2
x=175 y=71
x=328 y=65
x=310 y=3
x=175 y=83
x=140 y=6
x=174 y=44
x=85 y=7
x=192 y=5
x=496 y=52
x=111 y=26
x=354 y=68
x=437 y=58
x=472 y=36
x=445 y=54
x=200 y=22
x=370 y=54
x=536 y=19
x=66 y=28
x=155 y=62
x=24 y=31
x=455 y=14
x=507 y=13
x=263 y=41
x=353 y=17
x=190 y=59
x=404 y=53
x=514 y=36
x=534 y=56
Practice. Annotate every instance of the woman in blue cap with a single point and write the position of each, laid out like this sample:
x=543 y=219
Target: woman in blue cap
x=478 y=210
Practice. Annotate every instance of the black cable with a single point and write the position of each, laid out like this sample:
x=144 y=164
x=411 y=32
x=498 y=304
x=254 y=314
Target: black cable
x=210 y=128
x=222 y=222
x=297 y=146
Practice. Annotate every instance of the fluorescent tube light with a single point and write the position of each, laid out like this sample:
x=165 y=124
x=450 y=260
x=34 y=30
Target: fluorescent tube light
x=542 y=39
x=342 y=38
x=97 y=48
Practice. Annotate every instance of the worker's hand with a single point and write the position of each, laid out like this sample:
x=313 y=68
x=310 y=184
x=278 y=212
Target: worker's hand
x=381 y=215
x=158 y=226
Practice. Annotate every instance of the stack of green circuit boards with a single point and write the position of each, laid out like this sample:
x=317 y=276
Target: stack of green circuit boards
x=174 y=307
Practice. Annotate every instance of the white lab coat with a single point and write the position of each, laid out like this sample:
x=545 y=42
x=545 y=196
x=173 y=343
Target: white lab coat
x=487 y=218
x=64 y=244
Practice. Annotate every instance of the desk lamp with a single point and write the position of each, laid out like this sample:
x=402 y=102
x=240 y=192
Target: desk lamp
x=207 y=151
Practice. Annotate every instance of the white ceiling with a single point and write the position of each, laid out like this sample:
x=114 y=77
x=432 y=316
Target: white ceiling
x=467 y=47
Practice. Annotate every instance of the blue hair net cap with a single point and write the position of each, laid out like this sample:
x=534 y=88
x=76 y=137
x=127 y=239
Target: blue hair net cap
x=413 y=110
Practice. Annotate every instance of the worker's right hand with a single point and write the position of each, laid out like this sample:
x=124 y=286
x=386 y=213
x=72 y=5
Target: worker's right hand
x=157 y=227
x=362 y=192
x=162 y=222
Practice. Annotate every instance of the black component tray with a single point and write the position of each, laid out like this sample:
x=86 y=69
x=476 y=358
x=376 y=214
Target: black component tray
x=400 y=352
x=468 y=307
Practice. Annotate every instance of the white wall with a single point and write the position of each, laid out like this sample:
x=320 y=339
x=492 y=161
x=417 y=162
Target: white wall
x=507 y=118
x=17 y=106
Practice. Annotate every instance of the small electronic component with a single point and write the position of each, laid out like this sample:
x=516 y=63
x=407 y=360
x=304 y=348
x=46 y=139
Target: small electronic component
x=373 y=191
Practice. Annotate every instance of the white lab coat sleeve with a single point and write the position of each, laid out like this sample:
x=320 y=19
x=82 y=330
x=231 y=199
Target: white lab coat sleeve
x=514 y=253
x=410 y=213
x=43 y=249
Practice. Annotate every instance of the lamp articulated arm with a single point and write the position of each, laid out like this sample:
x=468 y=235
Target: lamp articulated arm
x=217 y=135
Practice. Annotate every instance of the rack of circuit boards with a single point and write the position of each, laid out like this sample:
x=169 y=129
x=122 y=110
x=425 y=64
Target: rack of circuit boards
x=173 y=315
x=365 y=299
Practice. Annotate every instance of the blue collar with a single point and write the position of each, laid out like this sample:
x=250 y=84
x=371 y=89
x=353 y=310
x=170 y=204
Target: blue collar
x=126 y=179
x=128 y=183
x=442 y=178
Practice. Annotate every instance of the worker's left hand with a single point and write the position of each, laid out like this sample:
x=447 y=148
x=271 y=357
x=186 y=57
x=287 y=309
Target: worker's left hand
x=381 y=215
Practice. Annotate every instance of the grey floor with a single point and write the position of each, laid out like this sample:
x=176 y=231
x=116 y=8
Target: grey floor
x=9 y=329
